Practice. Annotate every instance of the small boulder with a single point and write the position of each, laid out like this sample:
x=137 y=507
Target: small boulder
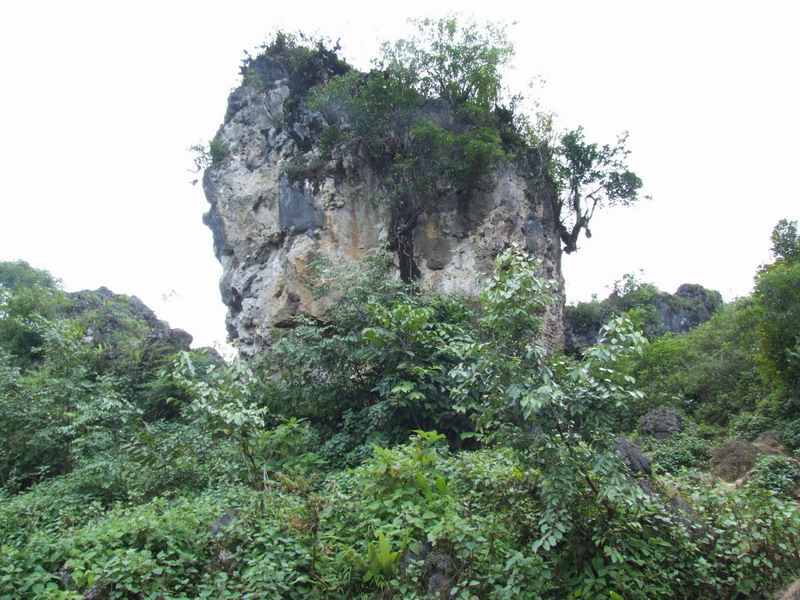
x=635 y=460
x=662 y=422
x=221 y=524
x=638 y=465
x=437 y=568
x=734 y=460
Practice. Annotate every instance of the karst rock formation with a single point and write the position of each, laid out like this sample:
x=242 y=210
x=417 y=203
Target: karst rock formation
x=275 y=202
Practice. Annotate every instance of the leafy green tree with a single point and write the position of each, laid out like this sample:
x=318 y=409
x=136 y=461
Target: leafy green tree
x=380 y=365
x=25 y=295
x=78 y=374
x=589 y=177
x=61 y=415
x=456 y=61
x=229 y=400
x=779 y=305
x=776 y=294
x=19 y=274
x=549 y=403
x=786 y=241
x=712 y=372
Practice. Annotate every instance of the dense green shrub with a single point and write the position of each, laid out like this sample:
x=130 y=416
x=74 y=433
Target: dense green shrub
x=779 y=323
x=711 y=372
x=229 y=498
x=79 y=378
x=744 y=544
x=747 y=426
x=167 y=458
x=791 y=434
x=27 y=297
x=690 y=449
x=59 y=414
x=154 y=550
x=777 y=474
x=380 y=365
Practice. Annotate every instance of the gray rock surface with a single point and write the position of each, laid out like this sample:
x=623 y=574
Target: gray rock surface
x=638 y=465
x=114 y=313
x=275 y=201
x=691 y=305
x=770 y=442
x=662 y=422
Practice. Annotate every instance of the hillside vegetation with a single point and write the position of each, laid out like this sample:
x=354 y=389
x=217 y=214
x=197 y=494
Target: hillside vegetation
x=414 y=445
x=417 y=446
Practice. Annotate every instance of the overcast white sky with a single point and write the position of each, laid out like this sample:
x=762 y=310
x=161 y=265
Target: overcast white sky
x=101 y=100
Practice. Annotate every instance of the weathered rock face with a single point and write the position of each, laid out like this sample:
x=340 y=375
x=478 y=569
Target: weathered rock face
x=275 y=203
x=110 y=317
x=661 y=423
x=690 y=306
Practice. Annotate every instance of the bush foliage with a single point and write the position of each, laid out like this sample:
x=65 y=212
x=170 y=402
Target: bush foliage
x=317 y=473
x=416 y=445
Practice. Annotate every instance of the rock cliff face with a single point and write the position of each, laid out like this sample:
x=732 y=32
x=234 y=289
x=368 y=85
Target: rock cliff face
x=275 y=202
x=690 y=306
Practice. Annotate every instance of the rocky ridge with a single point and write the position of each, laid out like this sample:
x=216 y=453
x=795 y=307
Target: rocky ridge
x=107 y=316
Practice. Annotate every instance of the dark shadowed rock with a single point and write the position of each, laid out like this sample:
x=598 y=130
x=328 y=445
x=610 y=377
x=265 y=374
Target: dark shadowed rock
x=635 y=460
x=221 y=556
x=99 y=591
x=437 y=569
x=221 y=524
x=662 y=422
x=690 y=306
x=578 y=336
x=214 y=356
x=638 y=464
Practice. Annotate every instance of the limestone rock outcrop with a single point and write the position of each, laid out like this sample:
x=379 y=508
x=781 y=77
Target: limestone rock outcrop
x=275 y=202
x=111 y=317
x=661 y=423
x=690 y=306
